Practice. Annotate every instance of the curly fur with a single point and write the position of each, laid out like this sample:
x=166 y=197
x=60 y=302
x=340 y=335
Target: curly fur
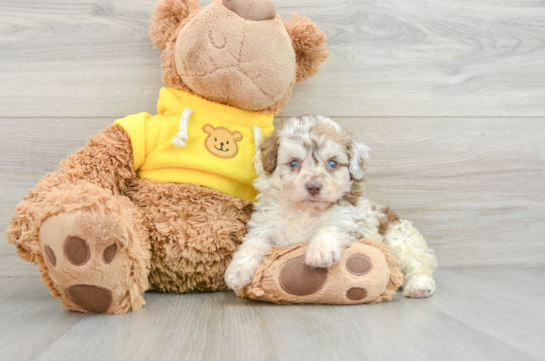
x=286 y=214
x=170 y=73
x=396 y=277
x=193 y=231
x=168 y=16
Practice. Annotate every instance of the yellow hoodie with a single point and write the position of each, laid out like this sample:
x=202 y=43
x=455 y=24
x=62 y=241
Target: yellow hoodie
x=193 y=140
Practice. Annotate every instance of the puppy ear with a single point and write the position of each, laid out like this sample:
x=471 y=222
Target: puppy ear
x=358 y=154
x=167 y=17
x=269 y=152
x=309 y=44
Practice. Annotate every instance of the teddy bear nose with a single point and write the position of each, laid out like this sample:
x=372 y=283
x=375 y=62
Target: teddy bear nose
x=255 y=10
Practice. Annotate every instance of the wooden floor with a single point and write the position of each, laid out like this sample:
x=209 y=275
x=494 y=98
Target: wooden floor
x=449 y=95
x=487 y=313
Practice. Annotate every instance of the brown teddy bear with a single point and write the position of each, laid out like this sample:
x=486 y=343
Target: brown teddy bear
x=161 y=202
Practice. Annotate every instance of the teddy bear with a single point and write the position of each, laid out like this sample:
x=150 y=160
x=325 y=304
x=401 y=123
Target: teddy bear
x=161 y=202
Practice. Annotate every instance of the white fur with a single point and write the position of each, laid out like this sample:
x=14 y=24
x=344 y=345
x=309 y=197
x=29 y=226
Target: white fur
x=286 y=214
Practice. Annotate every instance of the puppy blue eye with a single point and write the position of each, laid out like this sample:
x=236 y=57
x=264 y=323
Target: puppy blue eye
x=294 y=164
x=332 y=164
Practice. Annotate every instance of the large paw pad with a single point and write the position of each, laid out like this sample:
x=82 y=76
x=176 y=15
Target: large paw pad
x=361 y=276
x=84 y=261
x=90 y=298
x=298 y=278
x=77 y=252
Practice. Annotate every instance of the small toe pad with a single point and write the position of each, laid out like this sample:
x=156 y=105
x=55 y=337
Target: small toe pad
x=358 y=264
x=109 y=253
x=356 y=293
x=77 y=251
x=51 y=256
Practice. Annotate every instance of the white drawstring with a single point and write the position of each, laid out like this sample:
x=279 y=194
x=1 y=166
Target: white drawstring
x=258 y=164
x=180 y=138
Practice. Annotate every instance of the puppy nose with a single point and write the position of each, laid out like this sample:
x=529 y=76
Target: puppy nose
x=313 y=188
x=255 y=10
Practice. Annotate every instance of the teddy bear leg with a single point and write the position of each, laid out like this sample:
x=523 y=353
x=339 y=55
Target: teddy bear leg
x=94 y=250
x=366 y=273
x=194 y=231
x=416 y=260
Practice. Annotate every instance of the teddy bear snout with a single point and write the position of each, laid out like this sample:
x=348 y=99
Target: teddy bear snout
x=255 y=10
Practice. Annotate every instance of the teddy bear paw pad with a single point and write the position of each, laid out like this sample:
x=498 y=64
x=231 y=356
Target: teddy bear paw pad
x=361 y=276
x=76 y=251
x=91 y=298
x=298 y=278
x=356 y=293
x=358 y=264
x=85 y=261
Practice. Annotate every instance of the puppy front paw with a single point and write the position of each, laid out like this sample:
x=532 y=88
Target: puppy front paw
x=240 y=274
x=323 y=255
x=419 y=287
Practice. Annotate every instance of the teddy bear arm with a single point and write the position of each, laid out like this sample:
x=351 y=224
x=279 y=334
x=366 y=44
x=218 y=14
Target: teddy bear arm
x=106 y=160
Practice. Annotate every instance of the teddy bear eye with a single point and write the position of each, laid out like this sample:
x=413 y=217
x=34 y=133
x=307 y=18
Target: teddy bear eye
x=227 y=142
x=332 y=164
x=215 y=139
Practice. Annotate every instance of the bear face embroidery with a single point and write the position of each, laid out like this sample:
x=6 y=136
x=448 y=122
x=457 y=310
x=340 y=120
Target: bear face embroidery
x=221 y=142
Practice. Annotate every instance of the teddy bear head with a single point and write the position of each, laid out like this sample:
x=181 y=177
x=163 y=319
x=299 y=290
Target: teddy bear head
x=236 y=52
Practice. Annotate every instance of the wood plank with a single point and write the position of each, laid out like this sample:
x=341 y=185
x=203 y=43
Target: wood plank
x=93 y=58
x=30 y=318
x=469 y=301
x=474 y=187
x=470 y=317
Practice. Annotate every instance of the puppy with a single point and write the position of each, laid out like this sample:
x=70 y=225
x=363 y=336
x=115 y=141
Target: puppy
x=311 y=192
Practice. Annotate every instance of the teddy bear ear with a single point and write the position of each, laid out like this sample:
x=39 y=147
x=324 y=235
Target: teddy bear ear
x=309 y=43
x=167 y=17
